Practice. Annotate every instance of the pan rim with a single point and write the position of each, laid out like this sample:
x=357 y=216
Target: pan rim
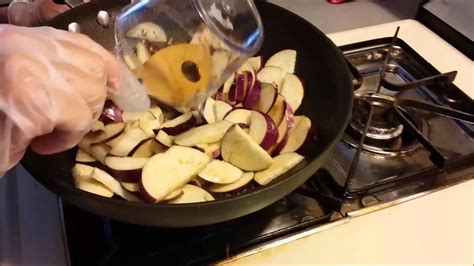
x=307 y=171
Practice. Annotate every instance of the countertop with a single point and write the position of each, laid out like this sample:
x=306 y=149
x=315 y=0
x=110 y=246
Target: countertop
x=434 y=229
x=459 y=14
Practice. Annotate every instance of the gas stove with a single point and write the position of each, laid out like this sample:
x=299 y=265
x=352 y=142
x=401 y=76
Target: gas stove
x=414 y=129
x=411 y=133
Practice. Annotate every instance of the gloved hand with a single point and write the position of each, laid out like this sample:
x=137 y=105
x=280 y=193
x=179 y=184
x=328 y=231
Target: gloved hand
x=33 y=12
x=53 y=85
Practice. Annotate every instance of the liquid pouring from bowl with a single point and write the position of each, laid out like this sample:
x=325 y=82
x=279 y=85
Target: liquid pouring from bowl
x=183 y=51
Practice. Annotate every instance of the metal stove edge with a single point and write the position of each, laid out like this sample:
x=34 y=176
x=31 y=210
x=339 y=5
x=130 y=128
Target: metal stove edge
x=317 y=229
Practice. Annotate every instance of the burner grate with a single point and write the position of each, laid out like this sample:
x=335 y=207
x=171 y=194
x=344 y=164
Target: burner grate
x=386 y=134
x=437 y=157
x=386 y=123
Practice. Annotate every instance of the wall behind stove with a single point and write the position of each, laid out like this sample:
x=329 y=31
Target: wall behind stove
x=356 y=14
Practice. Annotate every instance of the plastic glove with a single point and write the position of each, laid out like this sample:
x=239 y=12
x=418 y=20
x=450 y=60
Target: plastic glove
x=33 y=12
x=53 y=85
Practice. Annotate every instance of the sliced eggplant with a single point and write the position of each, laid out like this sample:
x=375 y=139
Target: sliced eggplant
x=272 y=75
x=209 y=111
x=179 y=125
x=192 y=194
x=285 y=60
x=112 y=184
x=98 y=126
x=82 y=171
x=93 y=186
x=163 y=138
x=148 y=31
x=132 y=187
x=100 y=151
x=293 y=91
x=130 y=139
x=174 y=194
x=148 y=148
x=298 y=134
x=241 y=182
x=239 y=116
x=143 y=54
x=221 y=109
x=263 y=130
x=126 y=169
x=110 y=132
x=205 y=134
x=84 y=157
x=220 y=172
x=281 y=164
x=256 y=62
x=169 y=171
x=136 y=116
x=239 y=149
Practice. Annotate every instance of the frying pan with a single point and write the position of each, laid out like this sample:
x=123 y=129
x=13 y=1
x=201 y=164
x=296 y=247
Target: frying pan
x=328 y=103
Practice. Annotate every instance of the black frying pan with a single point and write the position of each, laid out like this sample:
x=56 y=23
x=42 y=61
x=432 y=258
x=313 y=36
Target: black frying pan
x=328 y=102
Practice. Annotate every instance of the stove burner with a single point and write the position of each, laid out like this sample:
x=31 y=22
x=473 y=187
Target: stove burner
x=384 y=125
x=385 y=134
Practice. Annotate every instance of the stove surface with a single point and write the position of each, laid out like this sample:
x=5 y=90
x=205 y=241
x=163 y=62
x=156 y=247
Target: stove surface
x=392 y=166
x=388 y=160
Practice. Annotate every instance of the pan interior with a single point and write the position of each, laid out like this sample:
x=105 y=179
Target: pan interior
x=327 y=102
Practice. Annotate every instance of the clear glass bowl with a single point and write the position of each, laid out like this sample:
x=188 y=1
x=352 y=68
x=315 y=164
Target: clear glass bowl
x=182 y=51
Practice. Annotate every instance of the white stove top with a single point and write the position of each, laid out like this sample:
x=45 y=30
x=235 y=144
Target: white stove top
x=430 y=46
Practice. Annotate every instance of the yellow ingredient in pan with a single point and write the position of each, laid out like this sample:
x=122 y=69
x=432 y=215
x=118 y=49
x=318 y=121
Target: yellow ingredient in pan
x=175 y=74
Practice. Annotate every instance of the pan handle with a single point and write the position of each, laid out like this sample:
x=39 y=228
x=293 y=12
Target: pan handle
x=75 y=3
x=356 y=76
x=71 y=3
